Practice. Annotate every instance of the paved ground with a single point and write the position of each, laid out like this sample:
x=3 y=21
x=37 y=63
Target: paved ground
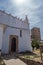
x=12 y=60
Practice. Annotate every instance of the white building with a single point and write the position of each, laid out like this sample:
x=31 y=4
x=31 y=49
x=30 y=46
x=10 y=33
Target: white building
x=14 y=34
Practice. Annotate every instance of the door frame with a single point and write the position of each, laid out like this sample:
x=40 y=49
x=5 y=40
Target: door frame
x=10 y=42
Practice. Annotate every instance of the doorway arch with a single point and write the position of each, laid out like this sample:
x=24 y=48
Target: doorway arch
x=13 y=43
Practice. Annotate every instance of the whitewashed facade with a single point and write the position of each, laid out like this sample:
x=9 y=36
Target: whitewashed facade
x=12 y=27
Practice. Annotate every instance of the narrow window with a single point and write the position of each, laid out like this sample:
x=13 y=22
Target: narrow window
x=20 y=33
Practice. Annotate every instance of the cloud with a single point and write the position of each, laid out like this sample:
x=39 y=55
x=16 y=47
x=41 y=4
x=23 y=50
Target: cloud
x=32 y=8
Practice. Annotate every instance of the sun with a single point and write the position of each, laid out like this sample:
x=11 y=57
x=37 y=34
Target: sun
x=19 y=2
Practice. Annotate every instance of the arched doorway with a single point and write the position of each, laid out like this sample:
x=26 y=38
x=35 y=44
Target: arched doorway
x=13 y=45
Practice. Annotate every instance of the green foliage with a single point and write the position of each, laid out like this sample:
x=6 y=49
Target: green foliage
x=1 y=61
x=35 y=44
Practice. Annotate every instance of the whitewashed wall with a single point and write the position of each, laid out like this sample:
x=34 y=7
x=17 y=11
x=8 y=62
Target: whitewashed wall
x=9 y=31
x=1 y=37
x=12 y=21
x=24 y=41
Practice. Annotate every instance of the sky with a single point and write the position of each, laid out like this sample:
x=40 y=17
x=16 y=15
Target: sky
x=32 y=8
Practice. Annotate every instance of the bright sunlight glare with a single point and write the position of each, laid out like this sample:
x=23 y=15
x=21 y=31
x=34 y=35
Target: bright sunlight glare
x=19 y=2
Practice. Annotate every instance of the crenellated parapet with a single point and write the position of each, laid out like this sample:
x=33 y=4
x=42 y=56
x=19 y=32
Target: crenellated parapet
x=14 y=21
